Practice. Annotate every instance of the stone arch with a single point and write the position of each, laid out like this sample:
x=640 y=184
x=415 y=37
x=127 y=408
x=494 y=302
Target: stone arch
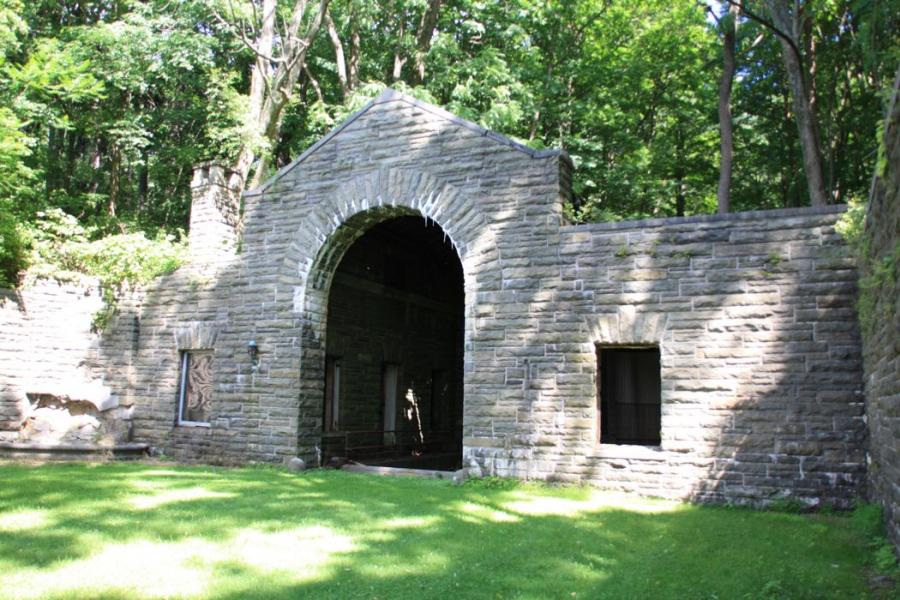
x=343 y=217
x=318 y=245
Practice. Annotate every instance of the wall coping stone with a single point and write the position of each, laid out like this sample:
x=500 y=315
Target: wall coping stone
x=750 y=215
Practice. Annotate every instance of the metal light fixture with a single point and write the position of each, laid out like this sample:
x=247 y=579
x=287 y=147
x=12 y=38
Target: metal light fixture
x=253 y=351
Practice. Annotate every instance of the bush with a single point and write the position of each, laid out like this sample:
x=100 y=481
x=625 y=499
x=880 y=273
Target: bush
x=129 y=258
x=62 y=248
x=852 y=225
x=13 y=250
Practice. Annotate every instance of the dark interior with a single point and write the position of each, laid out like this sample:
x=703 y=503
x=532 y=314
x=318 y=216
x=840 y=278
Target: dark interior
x=629 y=396
x=394 y=365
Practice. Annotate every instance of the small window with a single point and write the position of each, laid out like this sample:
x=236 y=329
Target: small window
x=332 y=420
x=629 y=395
x=390 y=387
x=440 y=399
x=195 y=389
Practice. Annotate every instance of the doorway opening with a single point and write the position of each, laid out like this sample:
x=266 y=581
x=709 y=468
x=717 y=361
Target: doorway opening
x=394 y=350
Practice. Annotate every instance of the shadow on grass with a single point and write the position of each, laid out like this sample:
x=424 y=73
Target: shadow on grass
x=121 y=530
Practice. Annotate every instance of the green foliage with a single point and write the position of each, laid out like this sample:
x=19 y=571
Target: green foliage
x=53 y=236
x=129 y=259
x=788 y=505
x=226 y=129
x=852 y=225
x=771 y=263
x=773 y=590
x=877 y=274
x=878 y=278
x=868 y=521
x=493 y=483
x=61 y=249
x=13 y=249
x=12 y=28
x=105 y=106
x=16 y=177
x=54 y=71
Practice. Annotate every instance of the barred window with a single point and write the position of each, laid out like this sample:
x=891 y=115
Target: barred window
x=629 y=395
x=195 y=389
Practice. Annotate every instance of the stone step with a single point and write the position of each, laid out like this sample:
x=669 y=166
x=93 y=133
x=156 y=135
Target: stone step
x=396 y=471
x=63 y=452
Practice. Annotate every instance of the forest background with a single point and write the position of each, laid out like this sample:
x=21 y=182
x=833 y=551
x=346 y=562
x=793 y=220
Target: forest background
x=666 y=107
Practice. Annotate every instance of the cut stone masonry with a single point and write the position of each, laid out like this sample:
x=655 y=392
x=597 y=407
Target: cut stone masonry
x=753 y=314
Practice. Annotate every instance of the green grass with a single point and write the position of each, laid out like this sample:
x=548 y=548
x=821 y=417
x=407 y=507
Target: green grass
x=126 y=531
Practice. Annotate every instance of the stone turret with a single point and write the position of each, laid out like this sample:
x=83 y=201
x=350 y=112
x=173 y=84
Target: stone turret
x=215 y=215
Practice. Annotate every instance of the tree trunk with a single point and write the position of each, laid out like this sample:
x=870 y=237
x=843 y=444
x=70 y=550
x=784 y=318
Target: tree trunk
x=272 y=81
x=789 y=24
x=535 y=121
x=423 y=39
x=73 y=151
x=143 y=181
x=680 y=200
x=399 y=59
x=726 y=129
x=353 y=63
x=52 y=158
x=338 y=56
x=115 y=160
x=258 y=88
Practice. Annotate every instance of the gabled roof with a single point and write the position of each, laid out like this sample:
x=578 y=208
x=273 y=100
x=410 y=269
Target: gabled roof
x=390 y=95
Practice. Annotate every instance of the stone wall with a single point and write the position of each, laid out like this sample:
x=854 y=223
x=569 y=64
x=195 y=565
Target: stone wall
x=881 y=327
x=754 y=317
x=214 y=223
x=53 y=386
x=296 y=229
x=753 y=314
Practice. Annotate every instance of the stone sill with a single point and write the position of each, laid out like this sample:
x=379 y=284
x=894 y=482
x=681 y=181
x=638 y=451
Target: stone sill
x=629 y=452
x=193 y=424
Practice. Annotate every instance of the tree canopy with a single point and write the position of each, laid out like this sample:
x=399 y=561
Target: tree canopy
x=105 y=105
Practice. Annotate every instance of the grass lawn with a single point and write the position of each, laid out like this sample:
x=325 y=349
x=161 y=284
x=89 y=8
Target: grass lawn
x=131 y=530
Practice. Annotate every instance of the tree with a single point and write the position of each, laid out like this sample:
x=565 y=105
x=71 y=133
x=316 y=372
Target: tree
x=106 y=105
x=788 y=22
x=279 y=59
x=729 y=25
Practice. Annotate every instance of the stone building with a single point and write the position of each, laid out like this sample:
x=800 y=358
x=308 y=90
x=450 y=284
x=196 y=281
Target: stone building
x=408 y=291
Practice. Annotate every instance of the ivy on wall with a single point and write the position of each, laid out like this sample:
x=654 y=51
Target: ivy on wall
x=878 y=274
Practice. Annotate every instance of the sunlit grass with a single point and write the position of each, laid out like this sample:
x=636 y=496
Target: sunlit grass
x=132 y=531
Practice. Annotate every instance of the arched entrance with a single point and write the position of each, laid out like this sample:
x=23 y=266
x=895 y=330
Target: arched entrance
x=394 y=349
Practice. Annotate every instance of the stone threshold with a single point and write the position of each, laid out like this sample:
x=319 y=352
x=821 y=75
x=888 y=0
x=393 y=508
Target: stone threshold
x=396 y=471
